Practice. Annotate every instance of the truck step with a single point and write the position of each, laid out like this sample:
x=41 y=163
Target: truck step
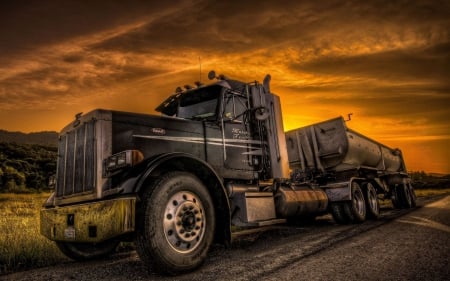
x=249 y=231
x=262 y=223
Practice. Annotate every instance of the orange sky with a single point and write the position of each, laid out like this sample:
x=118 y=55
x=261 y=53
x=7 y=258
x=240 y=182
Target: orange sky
x=387 y=62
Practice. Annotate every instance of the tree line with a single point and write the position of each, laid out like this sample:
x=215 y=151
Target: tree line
x=423 y=180
x=27 y=167
x=32 y=168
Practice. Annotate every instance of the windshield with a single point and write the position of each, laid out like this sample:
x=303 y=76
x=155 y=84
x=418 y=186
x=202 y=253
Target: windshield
x=197 y=104
x=200 y=110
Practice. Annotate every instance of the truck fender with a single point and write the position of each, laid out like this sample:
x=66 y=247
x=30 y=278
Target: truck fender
x=201 y=169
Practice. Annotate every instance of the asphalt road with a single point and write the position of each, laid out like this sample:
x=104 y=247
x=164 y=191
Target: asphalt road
x=401 y=245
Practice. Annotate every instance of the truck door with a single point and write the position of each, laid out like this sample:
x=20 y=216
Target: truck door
x=237 y=137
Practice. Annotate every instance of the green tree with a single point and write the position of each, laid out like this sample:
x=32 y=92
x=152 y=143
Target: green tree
x=25 y=166
x=13 y=179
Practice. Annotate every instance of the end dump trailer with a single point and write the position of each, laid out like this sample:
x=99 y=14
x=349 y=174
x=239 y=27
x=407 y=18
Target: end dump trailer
x=215 y=162
x=350 y=168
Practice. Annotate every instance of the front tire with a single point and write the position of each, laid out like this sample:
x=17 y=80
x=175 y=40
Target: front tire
x=87 y=251
x=176 y=223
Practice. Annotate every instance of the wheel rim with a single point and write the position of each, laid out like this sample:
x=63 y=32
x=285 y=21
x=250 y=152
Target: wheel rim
x=358 y=201
x=184 y=222
x=372 y=198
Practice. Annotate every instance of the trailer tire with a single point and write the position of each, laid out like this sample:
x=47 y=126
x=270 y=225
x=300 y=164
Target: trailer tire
x=395 y=198
x=413 y=195
x=355 y=209
x=87 y=251
x=175 y=223
x=372 y=204
x=337 y=211
x=405 y=197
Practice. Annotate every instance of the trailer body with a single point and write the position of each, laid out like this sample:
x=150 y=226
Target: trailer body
x=330 y=146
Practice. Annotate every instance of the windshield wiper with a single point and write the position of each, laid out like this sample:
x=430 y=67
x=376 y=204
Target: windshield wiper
x=202 y=116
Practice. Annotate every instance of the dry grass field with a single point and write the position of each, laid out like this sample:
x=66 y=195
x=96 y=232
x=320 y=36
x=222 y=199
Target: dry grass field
x=21 y=244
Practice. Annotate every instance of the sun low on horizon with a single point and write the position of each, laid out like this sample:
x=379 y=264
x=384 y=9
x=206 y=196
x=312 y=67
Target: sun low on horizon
x=384 y=62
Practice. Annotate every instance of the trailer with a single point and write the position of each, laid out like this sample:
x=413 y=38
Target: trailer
x=351 y=168
x=215 y=162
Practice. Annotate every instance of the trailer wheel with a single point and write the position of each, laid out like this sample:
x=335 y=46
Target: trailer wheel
x=413 y=195
x=87 y=251
x=372 y=204
x=404 y=196
x=175 y=226
x=395 y=198
x=355 y=209
x=337 y=211
x=407 y=196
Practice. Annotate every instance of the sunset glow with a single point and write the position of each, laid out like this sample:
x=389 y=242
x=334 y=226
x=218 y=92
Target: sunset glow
x=387 y=62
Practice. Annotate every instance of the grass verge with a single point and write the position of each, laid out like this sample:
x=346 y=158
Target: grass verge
x=431 y=192
x=21 y=244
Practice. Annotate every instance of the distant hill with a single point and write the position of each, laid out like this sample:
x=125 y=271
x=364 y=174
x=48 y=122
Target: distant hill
x=42 y=138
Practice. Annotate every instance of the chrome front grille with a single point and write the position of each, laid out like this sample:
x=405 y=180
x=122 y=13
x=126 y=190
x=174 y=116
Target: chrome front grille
x=76 y=161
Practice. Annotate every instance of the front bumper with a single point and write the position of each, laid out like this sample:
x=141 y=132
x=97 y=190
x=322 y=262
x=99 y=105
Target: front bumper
x=89 y=222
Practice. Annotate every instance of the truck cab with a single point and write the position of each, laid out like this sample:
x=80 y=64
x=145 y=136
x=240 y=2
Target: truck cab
x=226 y=139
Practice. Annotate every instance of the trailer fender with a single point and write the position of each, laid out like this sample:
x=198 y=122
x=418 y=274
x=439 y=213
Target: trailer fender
x=189 y=163
x=340 y=191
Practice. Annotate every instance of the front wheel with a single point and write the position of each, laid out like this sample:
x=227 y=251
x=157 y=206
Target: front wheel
x=87 y=251
x=175 y=223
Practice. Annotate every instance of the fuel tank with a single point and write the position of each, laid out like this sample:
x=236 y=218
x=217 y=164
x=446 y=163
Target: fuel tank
x=330 y=145
x=300 y=200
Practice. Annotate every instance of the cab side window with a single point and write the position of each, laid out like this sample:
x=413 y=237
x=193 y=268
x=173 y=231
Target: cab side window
x=235 y=107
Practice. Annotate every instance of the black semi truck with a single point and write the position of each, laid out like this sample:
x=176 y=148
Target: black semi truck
x=215 y=162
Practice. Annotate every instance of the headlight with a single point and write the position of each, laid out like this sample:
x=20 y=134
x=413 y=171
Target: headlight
x=121 y=160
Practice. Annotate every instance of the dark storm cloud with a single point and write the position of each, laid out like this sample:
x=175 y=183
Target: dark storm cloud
x=231 y=26
x=25 y=25
x=44 y=53
x=61 y=83
x=218 y=24
x=429 y=63
x=72 y=58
